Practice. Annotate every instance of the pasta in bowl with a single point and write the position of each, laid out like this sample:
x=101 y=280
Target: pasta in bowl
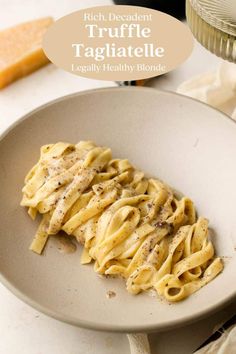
x=170 y=137
x=129 y=225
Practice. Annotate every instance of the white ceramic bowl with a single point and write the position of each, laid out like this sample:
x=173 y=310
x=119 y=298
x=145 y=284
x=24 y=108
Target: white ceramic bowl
x=187 y=144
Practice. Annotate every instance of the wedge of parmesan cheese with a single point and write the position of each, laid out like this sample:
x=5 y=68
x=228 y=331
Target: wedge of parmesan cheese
x=21 y=50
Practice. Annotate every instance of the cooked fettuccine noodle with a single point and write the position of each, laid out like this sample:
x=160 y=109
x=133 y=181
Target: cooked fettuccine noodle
x=129 y=225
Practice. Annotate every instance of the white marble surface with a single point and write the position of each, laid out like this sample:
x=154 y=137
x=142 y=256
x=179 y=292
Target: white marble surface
x=23 y=329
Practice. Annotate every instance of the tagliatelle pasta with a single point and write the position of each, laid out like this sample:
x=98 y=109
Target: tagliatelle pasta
x=129 y=225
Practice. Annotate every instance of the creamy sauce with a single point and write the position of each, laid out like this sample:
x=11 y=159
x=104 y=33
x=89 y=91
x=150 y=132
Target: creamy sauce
x=65 y=244
x=110 y=294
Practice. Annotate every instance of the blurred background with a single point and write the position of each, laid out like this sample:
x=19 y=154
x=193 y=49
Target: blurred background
x=174 y=8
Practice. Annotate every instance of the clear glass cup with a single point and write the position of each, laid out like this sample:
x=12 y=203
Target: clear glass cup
x=213 y=23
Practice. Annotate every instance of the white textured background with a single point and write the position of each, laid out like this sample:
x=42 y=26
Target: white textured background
x=24 y=330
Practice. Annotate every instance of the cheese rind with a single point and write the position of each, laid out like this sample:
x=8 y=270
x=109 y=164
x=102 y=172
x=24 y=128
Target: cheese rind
x=21 y=50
